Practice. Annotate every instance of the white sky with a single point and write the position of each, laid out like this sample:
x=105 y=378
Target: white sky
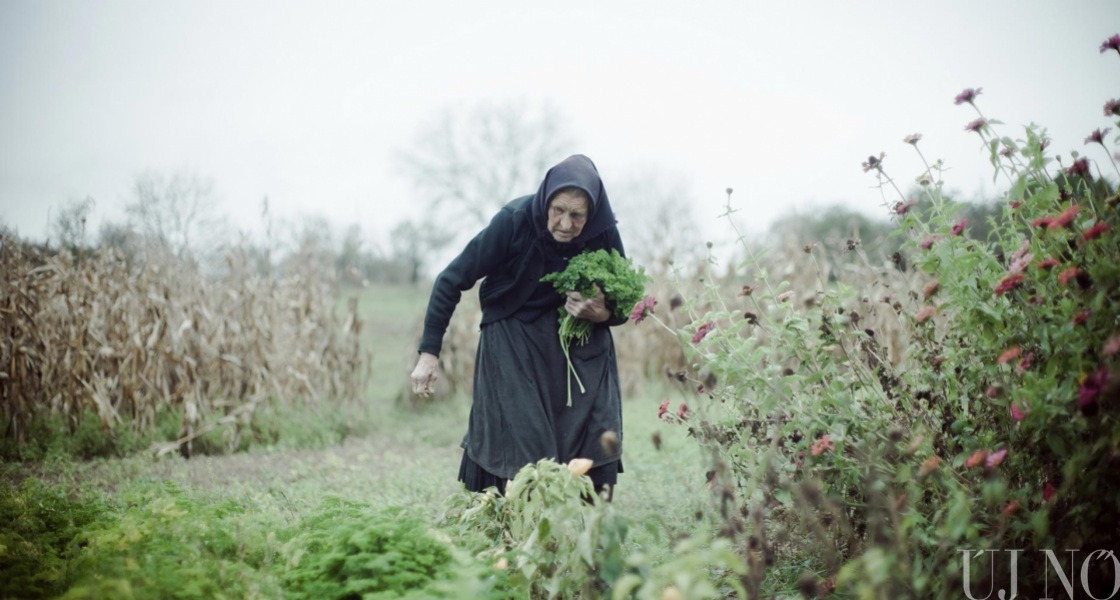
x=307 y=102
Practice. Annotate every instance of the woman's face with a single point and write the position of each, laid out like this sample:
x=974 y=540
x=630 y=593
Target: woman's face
x=567 y=214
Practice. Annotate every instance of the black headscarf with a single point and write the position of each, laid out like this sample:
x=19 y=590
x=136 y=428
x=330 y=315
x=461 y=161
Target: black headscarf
x=576 y=171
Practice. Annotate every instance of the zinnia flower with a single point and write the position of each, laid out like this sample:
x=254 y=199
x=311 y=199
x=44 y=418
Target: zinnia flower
x=1092 y=387
x=958 y=227
x=1009 y=283
x=785 y=296
x=995 y=458
x=976 y=124
x=1081 y=316
x=976 y=459
x=1048 y=263
x=702 y=332
x=663 y=408
x=1112 y=107
x=1048 y=491
x=1011 y=508
x=929 y=466
x=901 y=208
x=1079 y=167
x=1071 y=273
x=682 y=411
x=928 y=242
x=913 y=138
x=1007 y=151
x=1097 y=137
x=1112 y=43
x=1008 y=355
x=1015 y=204
x=1027 y=362
x=643 y=309
x=1042 y=222
x=925 y=313
x=1017 y=413
x=874 y=163
x=1095 y=231
x=1064 y=219
x=931 y=289
x=822 y=445
x=968 y=95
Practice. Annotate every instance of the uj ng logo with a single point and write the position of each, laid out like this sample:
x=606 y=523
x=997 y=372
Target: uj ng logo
x=1074 y=582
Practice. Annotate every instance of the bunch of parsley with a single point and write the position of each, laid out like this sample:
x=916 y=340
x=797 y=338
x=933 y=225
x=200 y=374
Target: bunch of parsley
x=622 y=285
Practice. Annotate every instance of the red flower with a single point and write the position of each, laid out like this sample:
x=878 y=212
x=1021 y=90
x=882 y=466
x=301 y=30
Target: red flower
x=958 y=228
x=1008 y=355
x=1015 y=204
x=968 y=95
x=1064 y=219
x=976 y=124
x=1048 y=263
x=1081 y=316
x=1112 y=107
x=1009 y=283
x=682 y=411
x=1097 y=137
x=821 y=445
x=931 y=289
x=703 y=331
x=929 y=465
x=976 y=459
x=1048 y=491
x=1092 y=387
x=1043 y=222
x=901 y=208
x=925 y=313
x=1027 y=362
x=1017 y=413
x=1112 y=43
x=1079 y=167
x=995 y=458
x=643 y=309
x=1071 y=273
x=1095 y=231
x=663 y=408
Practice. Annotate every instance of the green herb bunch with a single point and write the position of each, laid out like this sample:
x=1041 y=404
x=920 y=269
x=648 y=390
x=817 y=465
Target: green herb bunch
x=622 y=285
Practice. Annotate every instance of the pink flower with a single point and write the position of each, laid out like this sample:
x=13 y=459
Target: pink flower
x=925 y=313
x=1017 y=413
x=901 y=208
x=976 y=124
x=1112 y=43
x=1048 y=491
x=663 y=408
x=1095 y=231
x=874 y=163
x=1015 y=204
x=1071 y=273
x=1112 y=107
x=682 y=411
x=1009 y=283
x=1112 y=346
x=1048 y=264
x=968 y=95
x=1043 y=222
x=1008 y=355
x=994 y=391
x=785 y=296
x=1092 y=387
x=1011 y=508
x=958 y=228
x=1027 y=362
x=995 y=458
x=643 y=309
x=1007 y=151
x=928 y=242
x=929 y=466
x=976 y=459
x=1079 y=167
x=1097 y=137
x=702 y=332
x=931 y=289
x=1064 y=219
x=822 y=445
x=1018 y=265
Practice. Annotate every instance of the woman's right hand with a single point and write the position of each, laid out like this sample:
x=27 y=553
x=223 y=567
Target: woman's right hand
x=425 y=374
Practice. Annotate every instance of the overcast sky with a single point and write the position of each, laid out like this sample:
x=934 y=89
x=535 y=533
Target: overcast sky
x=307 y=102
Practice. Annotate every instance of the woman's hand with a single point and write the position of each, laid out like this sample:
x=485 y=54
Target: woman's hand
x=592 y=309
x=425 y=374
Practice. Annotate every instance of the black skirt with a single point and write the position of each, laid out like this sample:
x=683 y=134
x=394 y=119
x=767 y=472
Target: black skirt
x=520 y=411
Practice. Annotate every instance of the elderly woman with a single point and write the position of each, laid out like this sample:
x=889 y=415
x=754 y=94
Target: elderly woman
x=520 y=413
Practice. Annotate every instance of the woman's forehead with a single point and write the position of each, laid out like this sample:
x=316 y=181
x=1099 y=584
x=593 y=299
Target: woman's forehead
x=570 y=198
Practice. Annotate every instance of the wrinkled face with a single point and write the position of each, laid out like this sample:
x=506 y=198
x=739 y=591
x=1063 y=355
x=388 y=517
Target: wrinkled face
x=567 y=214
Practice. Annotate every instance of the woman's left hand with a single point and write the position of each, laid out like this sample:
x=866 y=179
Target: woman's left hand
x=593 y=309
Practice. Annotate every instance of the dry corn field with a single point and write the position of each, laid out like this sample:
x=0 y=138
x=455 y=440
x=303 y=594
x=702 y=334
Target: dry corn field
x=130 y=342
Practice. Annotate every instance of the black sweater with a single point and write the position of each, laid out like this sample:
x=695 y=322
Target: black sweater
x=511 y=258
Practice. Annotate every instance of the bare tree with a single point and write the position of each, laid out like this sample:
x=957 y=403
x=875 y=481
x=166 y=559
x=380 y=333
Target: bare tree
x=70 y=225
x=466 y=163
x=175 y=212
